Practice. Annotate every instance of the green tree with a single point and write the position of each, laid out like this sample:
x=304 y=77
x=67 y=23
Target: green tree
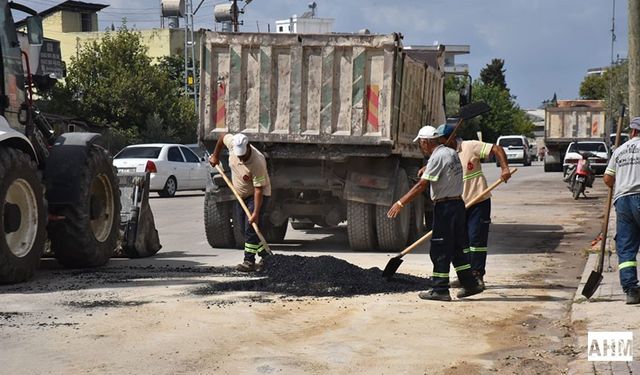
x=494 y=74
x=112 y=82
x=594 y=87
x=505 y=116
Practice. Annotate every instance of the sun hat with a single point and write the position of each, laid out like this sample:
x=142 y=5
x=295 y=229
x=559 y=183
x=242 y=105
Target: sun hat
x=240 y=142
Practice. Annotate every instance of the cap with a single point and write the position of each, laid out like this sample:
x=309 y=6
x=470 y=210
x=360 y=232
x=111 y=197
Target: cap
x=635 y=123
x=445 y=130
x=240 y=142
x=427 y=132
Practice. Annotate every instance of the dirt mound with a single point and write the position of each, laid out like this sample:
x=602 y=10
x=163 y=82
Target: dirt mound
x=318 y=276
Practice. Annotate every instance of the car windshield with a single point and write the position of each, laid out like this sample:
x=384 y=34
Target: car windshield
x=590 y=147
x=510 y=142
x=139 y=153
x=198 y=151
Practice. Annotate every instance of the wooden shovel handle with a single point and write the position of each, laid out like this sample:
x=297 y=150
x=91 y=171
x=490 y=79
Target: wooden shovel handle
x=607 y=207
x=475 y=200
x=244 y=207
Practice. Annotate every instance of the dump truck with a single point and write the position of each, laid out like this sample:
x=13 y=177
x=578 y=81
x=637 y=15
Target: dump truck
x=61 y=188
x=335 y=115
x=568 y=121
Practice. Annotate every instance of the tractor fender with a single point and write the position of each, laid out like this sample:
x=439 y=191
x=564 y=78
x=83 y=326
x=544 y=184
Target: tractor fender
x=13 y=138
x=61 y=170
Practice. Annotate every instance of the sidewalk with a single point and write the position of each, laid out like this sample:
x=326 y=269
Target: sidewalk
x=605 y=311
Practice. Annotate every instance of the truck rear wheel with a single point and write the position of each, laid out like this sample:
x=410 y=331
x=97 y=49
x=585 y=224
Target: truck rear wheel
x=417 y=227
x=217 y=222
x=393 y=234
x=22 y=216
x=361 y=226
x=87 y=234
x=274 y=233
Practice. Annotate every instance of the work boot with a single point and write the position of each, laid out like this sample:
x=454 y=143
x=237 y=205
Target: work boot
x=246 y=266
x=479 y=278
x=469 y=291
x=455 y=284
x=435 y=295
x=633 y=296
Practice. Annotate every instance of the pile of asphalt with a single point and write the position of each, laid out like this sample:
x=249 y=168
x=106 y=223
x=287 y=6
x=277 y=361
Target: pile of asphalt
x=323 y=276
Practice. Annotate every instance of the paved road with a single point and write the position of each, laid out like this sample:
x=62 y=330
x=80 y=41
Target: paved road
x=142 y=316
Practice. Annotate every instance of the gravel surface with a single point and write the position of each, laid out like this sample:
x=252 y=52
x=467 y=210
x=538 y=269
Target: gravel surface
x=323 y=276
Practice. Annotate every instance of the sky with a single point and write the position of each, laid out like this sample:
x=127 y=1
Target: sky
x=547 y=45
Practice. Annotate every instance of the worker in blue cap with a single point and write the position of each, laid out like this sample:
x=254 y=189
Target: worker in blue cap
x=479 y=215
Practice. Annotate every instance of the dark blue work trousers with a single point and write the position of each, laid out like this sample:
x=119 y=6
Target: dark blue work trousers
x=252 y=244
x=478 y=221
x=628 y=239
x=447 y=244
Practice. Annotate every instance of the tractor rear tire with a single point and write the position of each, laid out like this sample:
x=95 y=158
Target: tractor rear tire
x=22 y=216
x=361 y=228
x=87 y=235
x=217 y=222
x=393 y=234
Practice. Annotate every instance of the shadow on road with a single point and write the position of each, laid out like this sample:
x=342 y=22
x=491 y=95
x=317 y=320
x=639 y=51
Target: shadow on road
x=524 y=238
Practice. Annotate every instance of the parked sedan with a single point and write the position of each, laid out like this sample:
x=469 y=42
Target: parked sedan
x=172 y=167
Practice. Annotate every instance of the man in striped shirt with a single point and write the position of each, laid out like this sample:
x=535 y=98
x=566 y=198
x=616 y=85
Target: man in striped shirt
x=479 y=215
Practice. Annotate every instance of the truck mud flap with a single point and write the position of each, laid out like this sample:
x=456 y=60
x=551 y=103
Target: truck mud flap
x=139 y=235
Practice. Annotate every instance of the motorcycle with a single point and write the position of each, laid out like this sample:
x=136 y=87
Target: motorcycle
x=580 y=176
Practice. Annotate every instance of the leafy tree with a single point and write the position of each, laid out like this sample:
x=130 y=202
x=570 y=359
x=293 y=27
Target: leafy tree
x=493 y=74
x=594 y=87
x=505 y=116
x=112 y=82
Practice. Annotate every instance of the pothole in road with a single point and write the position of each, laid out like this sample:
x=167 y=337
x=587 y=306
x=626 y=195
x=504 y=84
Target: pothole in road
x=323 y=276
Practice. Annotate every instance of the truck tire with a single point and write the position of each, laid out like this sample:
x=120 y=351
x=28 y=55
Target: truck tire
x=87 y=235
x=274 y=233
x=417 y=227
x=393 y=234
x=217 y=222
x=22 y=215
x=548 y=167
x=361 y=226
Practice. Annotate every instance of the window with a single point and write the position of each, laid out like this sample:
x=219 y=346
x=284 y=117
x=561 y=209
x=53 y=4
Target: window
x=280 y=29
x=175 y=155
x=139 y=153
x=85 y=22
x=189 y=155
x=511 y=142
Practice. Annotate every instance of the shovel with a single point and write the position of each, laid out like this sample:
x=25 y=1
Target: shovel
x=395 y=262
x=245 y=208
x=595 y=278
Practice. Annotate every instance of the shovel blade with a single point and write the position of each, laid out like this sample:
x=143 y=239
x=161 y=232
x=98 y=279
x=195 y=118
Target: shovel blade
x=592 y=284
x=472 y=110
x=392 y=267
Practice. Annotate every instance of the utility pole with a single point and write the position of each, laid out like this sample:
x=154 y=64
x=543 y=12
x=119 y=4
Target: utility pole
x=634 y=58
x=235 y=13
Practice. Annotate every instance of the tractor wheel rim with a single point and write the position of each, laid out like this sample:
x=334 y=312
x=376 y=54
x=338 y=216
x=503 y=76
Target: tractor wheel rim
x=102 y=196
x=22 y=195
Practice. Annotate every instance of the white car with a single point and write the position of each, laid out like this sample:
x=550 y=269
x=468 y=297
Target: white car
x=172 y=167
x=599 y=155
x=517 y=149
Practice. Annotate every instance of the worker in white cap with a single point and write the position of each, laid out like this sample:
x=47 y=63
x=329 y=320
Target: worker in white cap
x=444 y=174
x=250 y=178
x=623 y=176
